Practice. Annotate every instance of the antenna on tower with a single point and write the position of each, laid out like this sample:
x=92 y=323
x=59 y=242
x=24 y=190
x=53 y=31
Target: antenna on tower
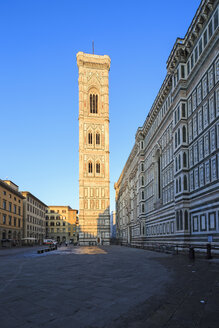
x=93 y=46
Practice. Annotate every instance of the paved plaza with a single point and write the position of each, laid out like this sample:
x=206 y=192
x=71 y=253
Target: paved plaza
x=106 y=287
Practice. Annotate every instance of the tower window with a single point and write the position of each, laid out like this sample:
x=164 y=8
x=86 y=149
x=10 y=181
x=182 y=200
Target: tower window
x=90 y=167
x=97 y=138
x=90 y=141
x=97 y=167
x=93 y=103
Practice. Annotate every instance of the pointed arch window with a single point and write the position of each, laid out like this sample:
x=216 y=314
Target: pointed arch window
x=179 y=162
x=90 y=138
x=97 y=138
x=97 y=167
x=90 y=167
x=93 y=103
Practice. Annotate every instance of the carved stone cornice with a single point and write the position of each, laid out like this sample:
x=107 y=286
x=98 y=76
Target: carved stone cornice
x=202 y=14
x=93 y=61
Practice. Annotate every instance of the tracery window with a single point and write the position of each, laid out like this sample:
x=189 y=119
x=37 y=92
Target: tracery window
x=97 y=138
x=93 y=103
x=90 y=137
x=90 y=167
x=97 y=167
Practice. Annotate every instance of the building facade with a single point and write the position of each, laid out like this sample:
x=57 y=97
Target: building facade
x=94 y=204
x=62 y=224
x=168 y=191
x=11 y=214
x=34 y=222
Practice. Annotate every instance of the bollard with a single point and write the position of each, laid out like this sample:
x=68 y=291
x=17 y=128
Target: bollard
x=208 y=255
x=191 y=253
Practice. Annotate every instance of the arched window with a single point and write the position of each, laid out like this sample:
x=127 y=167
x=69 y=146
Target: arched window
x=97 y=167
x=185 y=182
x=142 y=181
x=97 y=138
x=96 y=107
x=90 y=137
x=90 y=167
x=179 y=161
x=179 y=184
x=186 y=221
x=184 y=133
x=176 y=164
x=93 y=103
x=175 y=139
x=142 y=195
x=184 y=160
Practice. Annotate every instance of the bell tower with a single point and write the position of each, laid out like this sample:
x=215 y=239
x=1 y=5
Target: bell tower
x=94 y=196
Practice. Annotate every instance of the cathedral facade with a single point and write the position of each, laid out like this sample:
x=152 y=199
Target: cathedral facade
x=168 y=191
x=94 y=196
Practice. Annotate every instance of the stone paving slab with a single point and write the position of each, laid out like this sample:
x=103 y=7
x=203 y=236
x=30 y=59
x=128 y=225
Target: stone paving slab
x=109 y=286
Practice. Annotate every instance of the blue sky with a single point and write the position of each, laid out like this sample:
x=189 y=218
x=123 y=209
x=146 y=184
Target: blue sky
x=39 y=82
